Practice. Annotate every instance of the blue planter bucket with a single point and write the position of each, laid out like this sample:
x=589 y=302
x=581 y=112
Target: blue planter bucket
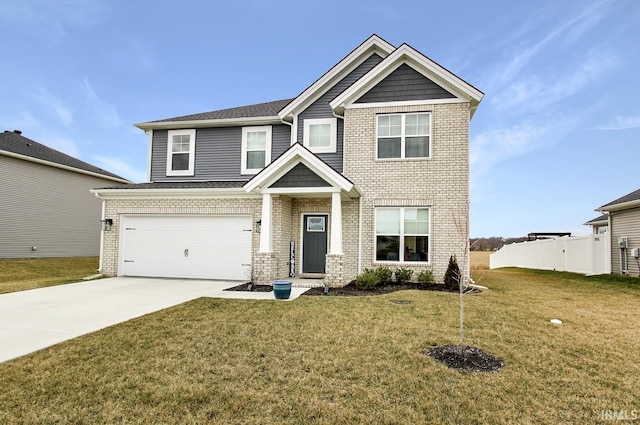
x=282 y=289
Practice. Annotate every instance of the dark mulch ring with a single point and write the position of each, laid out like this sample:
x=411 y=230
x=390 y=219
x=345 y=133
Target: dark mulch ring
x=245 y=287
x=466 y=358
x=352 y=290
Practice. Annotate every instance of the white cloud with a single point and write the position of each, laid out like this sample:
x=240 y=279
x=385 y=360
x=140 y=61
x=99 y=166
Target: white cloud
x=119 y=167
x=60 y=109
x=61 y=144
x=536 y=93
x=622 y=123
x=570 y=29
x=53 y=17
x=105 y=112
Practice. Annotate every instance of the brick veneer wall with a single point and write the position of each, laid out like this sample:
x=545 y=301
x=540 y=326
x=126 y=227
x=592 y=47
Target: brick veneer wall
x=441 y=182
x=115 y=208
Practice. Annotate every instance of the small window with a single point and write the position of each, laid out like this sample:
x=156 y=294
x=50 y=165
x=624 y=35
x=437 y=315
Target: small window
x=256 y=149
x=320 y=135
x=181 y=152
x=404 y=136
x=402 y=234
x=315 y=224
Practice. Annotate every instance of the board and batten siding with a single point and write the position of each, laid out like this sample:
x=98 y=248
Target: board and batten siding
x=404 y=84
x=625 y=223
x=217 y=155
x=321 y=109
x=48 y=208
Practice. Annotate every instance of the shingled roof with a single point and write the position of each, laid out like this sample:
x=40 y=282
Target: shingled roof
x=633 y=196
x=267 y=109
x=604 y=218
x=15 y=142
x=180 y=185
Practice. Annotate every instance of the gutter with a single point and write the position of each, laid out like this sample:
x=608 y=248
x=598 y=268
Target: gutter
x=228 y=122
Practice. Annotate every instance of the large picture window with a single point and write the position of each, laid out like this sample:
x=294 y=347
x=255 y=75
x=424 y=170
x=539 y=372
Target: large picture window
x=320 y=135
x=180 y=152
x=256 y=149
x=402 y=234
x=404 y=135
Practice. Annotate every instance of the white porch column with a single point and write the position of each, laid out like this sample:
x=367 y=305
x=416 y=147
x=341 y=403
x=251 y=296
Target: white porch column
x=336 y=224
x=265 y=226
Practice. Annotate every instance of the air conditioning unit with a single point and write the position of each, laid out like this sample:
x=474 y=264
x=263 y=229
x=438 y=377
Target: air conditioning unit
x=622 y=242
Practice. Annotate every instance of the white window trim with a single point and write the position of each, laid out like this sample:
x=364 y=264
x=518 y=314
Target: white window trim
x=192 y=151
x=267 y=155
x=332 y=141
x=403 y=136
x=402 y=236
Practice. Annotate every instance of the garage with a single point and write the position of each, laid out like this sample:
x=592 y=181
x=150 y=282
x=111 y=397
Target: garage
x=195 y=247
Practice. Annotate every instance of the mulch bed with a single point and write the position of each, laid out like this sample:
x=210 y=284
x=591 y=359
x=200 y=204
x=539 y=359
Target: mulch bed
x=352 y=291
x=466 y=358
x=254 y=288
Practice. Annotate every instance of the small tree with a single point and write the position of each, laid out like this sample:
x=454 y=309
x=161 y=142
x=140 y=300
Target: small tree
x=452 y=275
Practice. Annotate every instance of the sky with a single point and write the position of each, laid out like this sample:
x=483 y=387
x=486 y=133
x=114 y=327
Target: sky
x=556 y=135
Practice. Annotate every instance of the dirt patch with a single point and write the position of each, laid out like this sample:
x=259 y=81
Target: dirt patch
x=466 y=358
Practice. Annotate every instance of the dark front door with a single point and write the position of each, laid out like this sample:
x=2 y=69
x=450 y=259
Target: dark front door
x=314 y=243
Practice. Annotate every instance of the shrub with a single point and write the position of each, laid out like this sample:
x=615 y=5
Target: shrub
x=452 y=275
x=384 y=275
x=425 y=277
x=368 y=279
x=403 y=275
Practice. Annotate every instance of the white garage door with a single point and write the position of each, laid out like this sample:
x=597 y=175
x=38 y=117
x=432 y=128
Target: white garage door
x=199 y=247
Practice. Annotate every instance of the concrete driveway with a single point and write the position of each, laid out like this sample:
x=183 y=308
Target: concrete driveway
x=35 y=319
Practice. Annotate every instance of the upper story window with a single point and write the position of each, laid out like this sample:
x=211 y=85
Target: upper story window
x=320 y=135
x=402 y=234
x=404 y=135
x=181 y=152
x=256 y=149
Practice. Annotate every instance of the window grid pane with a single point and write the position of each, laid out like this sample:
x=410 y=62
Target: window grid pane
x=257 y=140
x=319 y=135
x=388 y=221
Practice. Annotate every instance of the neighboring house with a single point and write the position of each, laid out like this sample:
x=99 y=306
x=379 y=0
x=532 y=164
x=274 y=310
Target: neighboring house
x=624 y=227
x=368 y=166
x=599 y=225
x=46 y=208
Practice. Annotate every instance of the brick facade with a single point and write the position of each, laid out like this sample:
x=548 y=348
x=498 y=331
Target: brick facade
x=440 y=182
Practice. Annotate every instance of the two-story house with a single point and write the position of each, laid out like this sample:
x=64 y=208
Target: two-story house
x=369 y=165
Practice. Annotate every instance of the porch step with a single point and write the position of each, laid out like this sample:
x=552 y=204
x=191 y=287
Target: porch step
x=305 y=283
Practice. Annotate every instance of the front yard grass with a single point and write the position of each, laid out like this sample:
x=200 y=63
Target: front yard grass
x=31 y=273
x=334 y=360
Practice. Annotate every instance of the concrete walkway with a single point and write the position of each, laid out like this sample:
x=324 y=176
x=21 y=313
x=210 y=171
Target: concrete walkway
x=35 y=319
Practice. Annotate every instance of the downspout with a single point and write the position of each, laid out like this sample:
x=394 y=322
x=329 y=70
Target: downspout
x=360 y=234
x=290 y=124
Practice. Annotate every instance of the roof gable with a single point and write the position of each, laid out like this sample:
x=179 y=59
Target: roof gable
x=372 y=45
x=300 y=176
x=406 y=54
x=285 y=163
x=14 y=144
x=404 y=83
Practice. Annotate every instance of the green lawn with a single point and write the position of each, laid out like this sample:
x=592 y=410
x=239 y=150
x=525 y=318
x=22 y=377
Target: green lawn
x=332 y=360
x=31 y=273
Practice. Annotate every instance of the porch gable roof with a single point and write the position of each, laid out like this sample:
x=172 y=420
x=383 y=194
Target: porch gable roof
x=298 y=154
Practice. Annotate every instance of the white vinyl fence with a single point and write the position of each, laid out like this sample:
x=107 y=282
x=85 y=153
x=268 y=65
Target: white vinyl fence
x=589 y=254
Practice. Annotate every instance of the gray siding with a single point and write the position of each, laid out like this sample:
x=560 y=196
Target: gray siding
x=300 y=176
x=218 y=153
x=49 y=208
x=625 y=224
x=405 y=83
x=321 y=109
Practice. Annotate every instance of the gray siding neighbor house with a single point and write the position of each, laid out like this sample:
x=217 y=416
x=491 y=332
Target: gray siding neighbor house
x=624 y=226
x=367 y=166
x=46 y=207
